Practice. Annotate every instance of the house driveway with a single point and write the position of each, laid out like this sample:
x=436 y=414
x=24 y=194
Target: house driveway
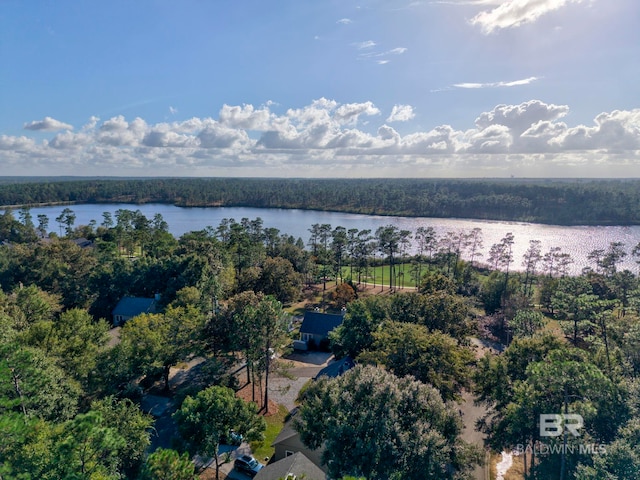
x=285 y=383
x=470 y=414
x=295 y=370
x=226 y=468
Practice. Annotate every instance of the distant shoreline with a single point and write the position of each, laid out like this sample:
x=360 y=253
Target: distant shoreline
x=544 y=201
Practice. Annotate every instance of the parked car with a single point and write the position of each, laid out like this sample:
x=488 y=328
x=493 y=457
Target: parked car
x=248 y=465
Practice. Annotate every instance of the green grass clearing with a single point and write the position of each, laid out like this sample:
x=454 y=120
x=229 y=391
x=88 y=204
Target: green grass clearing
x=275 y=422
x=403 y=275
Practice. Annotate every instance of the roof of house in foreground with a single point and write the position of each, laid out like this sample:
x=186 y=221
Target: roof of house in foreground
x=286 y=433
x=318 y=323
x=132 y=306
x=296 y=465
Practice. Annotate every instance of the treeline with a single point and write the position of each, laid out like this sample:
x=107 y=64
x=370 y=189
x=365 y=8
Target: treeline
x=561 y=202
x=72 y=396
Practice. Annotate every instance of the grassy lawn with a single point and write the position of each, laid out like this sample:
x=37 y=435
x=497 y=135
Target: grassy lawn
x=263 y=449
x=313 y=296
x=377 y=274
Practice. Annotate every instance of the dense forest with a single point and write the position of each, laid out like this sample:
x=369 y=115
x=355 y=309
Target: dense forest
x=71 y=392
x=561 y=202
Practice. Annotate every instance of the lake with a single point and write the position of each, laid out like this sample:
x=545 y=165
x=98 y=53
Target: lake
x=578 y=241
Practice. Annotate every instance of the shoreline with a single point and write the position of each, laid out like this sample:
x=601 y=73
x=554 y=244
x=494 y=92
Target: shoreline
x=351 y=212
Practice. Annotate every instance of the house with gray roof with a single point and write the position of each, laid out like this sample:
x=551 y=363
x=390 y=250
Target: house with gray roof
x=293 y=467
x=316 y=326
x=129 y=307
x=288 y=443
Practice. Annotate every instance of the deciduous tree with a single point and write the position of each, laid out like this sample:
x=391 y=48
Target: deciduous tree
x=362 y=319
x=278 y=278
x=374 y=424
x=433 y=358
x=32 y=384
x=167 y=464
x=134 y=426
x=527 y=323
x=153 y=342
x=74 y=340
x=88 y=449
x=205 y=419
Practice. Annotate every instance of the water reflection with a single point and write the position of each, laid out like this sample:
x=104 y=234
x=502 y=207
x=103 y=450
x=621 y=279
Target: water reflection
x=577 y=241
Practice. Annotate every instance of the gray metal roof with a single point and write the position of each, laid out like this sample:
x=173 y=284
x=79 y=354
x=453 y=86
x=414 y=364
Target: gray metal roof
x=297 y=464
x=317 y=323
x=286 y=433
x=132 y=306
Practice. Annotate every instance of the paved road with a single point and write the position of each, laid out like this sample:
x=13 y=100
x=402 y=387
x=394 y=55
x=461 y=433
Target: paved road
x=471 y=413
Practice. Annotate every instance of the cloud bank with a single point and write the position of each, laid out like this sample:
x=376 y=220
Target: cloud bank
x=326 y=138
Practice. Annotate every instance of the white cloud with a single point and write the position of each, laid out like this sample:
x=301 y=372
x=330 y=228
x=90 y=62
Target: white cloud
x=118 y=132
x=513 y=13
x=48 y=124
x=386 y=132
x=492 y=139
x=513 y=83
x=466 y=2
x=540 y=136
x=344 y=21
x=349 y=113
x=91 y=124
x=172 y=110
x=220 y=136
x=521 y=117
x=617 y=131
x=70 y=141
x=15 y=143
x=245 y=117
x=365 y=45
x=323 y=138
x=401 y=113
x=164 y=135
x=516 y=83
x=393 y=51
x=381 y=57
x=115 y=124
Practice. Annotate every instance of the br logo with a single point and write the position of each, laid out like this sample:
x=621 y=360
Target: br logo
x=554 y=424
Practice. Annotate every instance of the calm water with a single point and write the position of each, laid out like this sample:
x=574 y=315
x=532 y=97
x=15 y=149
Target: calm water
x=577 y=241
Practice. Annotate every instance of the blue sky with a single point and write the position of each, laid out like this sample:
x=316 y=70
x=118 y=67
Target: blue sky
x=320 y=88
